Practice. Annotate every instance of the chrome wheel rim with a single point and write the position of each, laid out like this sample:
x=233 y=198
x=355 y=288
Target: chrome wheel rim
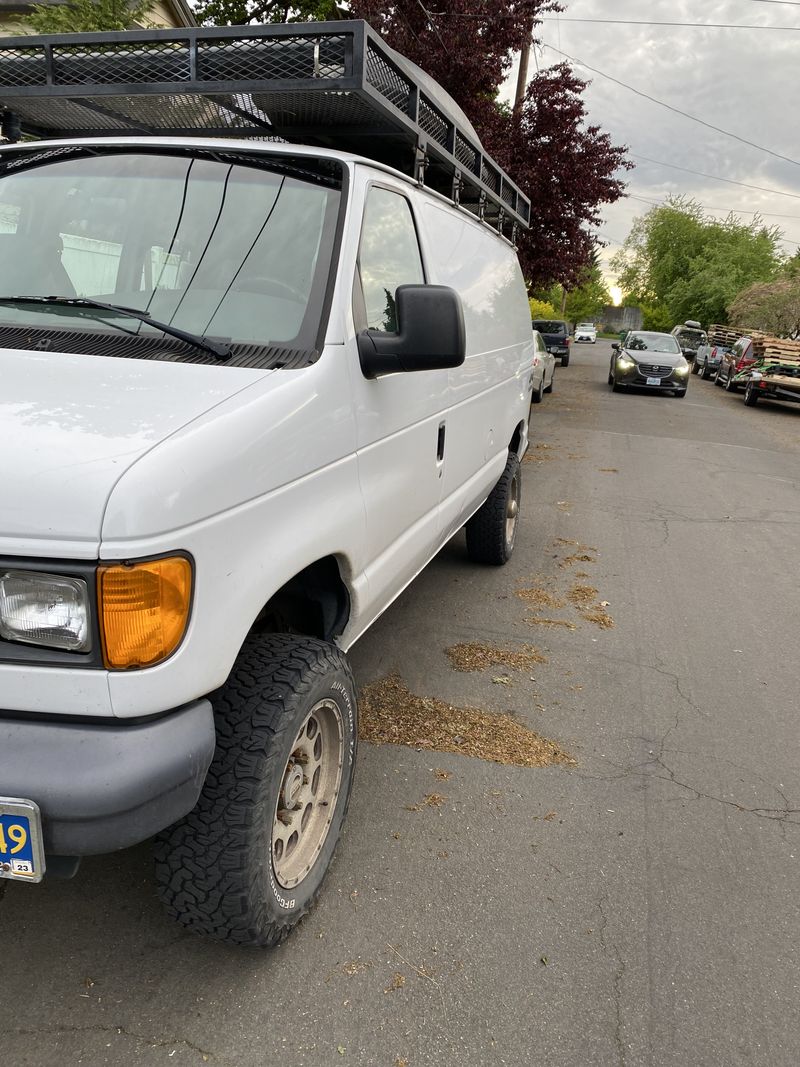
x=310 y=787
x=512 y=511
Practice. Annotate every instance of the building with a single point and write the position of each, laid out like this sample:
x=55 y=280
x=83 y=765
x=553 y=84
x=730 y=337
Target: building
x=169 y=14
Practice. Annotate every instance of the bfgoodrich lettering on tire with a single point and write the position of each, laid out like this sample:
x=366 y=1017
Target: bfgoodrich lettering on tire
x=245 y=865
x=492 y=530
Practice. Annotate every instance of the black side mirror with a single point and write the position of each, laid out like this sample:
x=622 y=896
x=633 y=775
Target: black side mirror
x=615 y=345
x=430 y=336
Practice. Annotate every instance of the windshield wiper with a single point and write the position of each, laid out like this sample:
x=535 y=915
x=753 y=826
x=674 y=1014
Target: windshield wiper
x=221 y=351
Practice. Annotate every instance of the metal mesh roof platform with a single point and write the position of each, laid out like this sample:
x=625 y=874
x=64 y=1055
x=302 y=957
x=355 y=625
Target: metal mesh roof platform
x=331 y=84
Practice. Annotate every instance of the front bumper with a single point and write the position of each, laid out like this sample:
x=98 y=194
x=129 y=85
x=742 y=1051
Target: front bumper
x=102 y=787
x=638 y=379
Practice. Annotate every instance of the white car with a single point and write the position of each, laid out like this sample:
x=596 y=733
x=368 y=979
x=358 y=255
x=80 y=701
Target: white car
x=249 y=390
x=585 y=332
x=544 y=369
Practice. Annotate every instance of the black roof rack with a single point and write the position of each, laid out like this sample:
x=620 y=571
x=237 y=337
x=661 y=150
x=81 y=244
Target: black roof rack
x=331 y=84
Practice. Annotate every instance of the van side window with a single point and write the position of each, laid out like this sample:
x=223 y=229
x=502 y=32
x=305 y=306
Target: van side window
x=389 y=256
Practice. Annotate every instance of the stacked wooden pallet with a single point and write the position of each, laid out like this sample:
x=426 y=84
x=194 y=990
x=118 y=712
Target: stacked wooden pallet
x=779 y=349
x=725 y=335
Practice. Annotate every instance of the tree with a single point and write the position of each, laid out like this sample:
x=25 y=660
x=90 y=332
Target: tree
x=590 y=296
x=680 y=261
x=541 y=309
x=245 y=12
x=772 y=306
x=86 y=16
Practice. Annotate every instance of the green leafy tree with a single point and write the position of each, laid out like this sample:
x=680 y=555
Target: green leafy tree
x=87 y=16
x=771 y=306
x=680 y=260
x=656 y=317
x=245 y=12
x=541 y=309
x=586 y=301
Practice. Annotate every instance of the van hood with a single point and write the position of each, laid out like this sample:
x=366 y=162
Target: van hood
x=71 y=425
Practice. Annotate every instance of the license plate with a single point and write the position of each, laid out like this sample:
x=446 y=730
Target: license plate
x=21 y=852
x=654 y=381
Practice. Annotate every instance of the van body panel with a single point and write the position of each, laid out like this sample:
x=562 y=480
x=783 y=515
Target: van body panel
x=72 y=425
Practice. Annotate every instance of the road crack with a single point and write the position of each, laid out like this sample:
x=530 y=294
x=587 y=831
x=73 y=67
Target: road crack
x=613 y=953
x=140 y=1039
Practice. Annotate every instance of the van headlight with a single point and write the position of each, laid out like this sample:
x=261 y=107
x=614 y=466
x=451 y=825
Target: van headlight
x=45 y=609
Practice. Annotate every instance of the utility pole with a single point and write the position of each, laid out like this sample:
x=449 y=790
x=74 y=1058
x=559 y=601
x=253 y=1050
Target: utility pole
x=522 y=75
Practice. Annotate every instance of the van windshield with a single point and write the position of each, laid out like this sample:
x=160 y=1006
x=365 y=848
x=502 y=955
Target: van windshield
x=217 y=248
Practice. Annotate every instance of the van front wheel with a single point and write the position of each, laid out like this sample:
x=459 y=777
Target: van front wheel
x=246 y=864
x=492 y=530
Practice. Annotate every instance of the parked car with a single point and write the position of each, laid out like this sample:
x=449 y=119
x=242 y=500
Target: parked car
x=585 y=332
x=544 y=369
x=772 y=381
x=648 y=360
x=707 y=360
x=556 y=336
x=689 y=336
x=733 y=361
x=249 y=390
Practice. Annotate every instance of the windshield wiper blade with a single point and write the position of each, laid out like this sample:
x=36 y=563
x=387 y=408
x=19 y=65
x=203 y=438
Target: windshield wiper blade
x=221 y=351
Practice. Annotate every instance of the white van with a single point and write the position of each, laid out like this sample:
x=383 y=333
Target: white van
x=250 y=388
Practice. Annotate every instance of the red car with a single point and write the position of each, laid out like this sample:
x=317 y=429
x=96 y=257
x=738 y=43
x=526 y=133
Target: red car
x=734 y=360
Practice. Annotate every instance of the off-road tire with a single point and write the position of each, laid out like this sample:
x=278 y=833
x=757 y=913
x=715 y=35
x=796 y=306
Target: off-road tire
x=488 y=538
x=215 y=868
x=750 y=395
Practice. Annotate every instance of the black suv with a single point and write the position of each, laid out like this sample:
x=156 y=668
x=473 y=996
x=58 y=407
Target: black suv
x=555 y=335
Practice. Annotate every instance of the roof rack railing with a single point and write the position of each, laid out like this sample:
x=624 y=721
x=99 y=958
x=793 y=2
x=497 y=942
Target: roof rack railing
x=331 y=84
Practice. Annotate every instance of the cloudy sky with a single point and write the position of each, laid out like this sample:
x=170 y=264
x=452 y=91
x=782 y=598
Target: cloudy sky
x=746 y=82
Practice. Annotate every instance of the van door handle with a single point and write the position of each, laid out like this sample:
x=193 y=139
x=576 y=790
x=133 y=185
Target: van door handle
x=440 y=444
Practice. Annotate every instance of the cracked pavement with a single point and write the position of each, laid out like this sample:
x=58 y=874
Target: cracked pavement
x=638 y=910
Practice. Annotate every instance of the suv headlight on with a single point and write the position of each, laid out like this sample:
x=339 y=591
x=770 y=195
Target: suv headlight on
x=45 y=609
x=625 y=363
x=681 y=372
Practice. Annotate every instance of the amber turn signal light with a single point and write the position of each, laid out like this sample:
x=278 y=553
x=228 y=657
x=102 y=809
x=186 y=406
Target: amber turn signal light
x=144 y=609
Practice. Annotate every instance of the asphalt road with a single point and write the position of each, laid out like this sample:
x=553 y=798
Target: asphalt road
x=639 y=909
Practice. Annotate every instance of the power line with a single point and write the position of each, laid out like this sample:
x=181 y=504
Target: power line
x=677 y=111
x=715 y=177
x=702 y=25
